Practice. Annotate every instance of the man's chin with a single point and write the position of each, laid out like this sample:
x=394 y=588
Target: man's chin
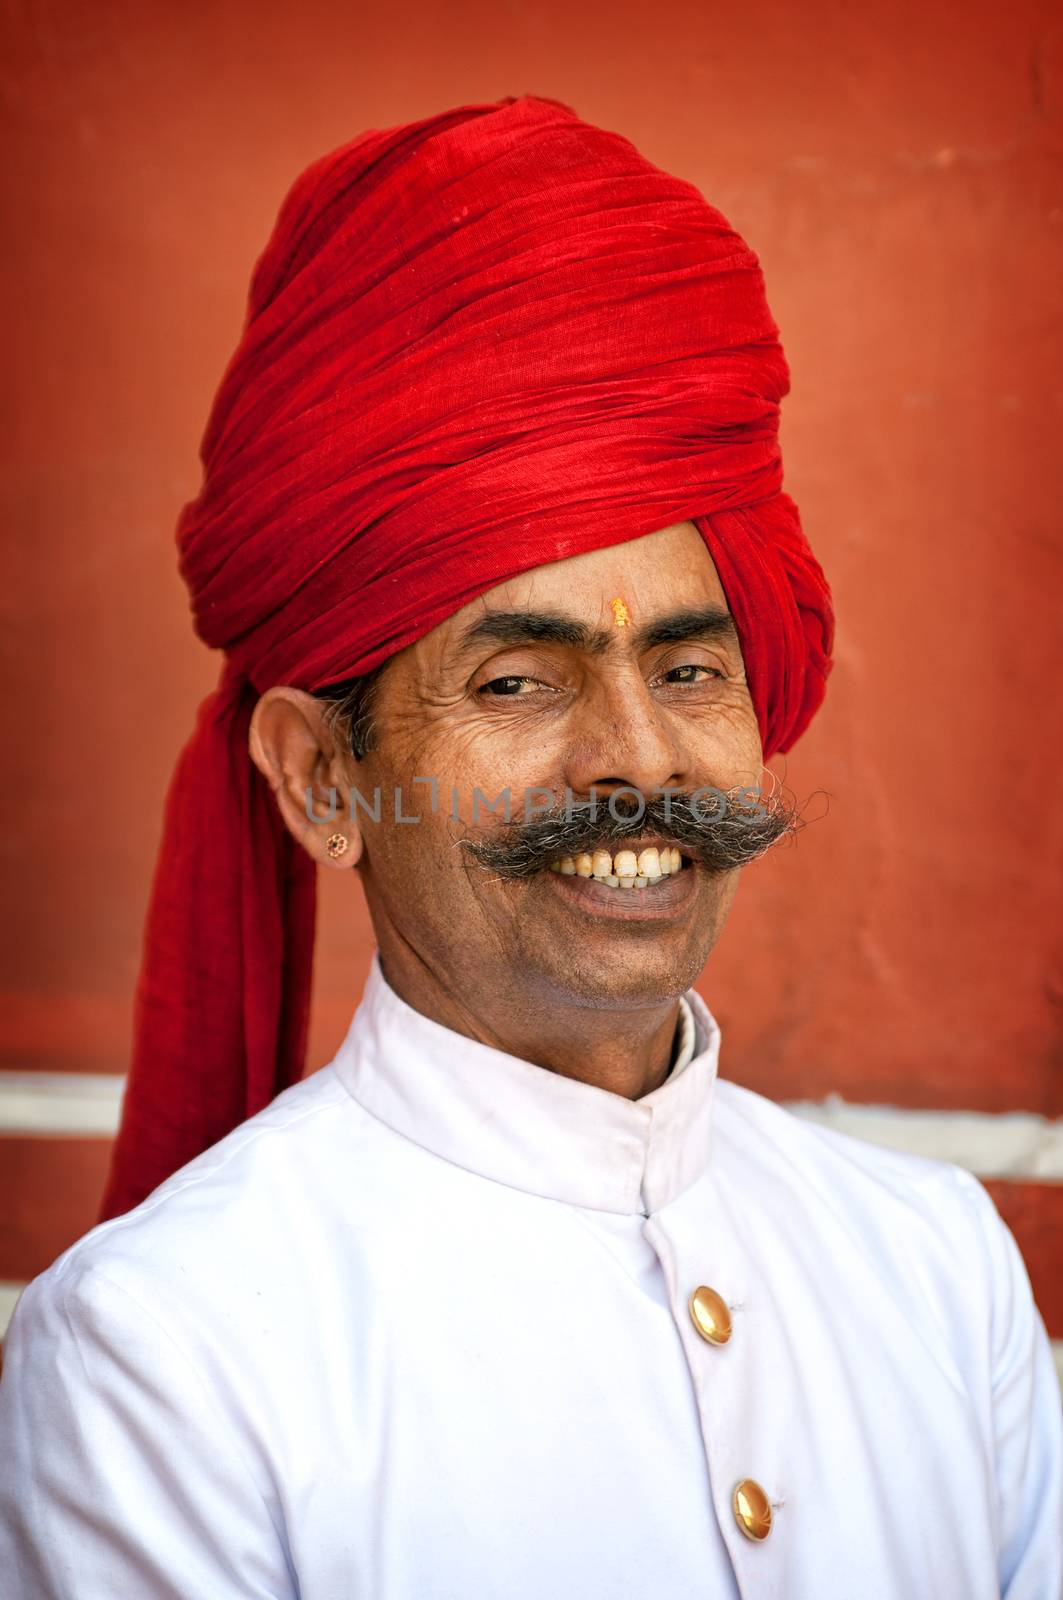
x=620 y=981
x=628 y=958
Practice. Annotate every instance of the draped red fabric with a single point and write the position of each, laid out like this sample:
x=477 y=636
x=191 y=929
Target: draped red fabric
x=476 y=343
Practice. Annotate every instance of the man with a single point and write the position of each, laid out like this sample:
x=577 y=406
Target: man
x=516 y=1297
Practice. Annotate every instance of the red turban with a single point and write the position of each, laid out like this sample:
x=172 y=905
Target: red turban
x=474 y=344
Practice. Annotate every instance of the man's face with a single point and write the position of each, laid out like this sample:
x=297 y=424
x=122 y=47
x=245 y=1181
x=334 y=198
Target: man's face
x=537 y=686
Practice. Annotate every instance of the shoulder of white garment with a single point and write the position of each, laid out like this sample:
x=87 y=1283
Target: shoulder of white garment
x=122 y=1463
x=918 y=1213
x=130 y=1452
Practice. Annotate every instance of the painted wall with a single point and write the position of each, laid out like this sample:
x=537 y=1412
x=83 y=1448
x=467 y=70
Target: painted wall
x=898 y=174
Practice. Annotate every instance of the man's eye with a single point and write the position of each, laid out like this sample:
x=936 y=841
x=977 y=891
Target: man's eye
x=685 y=674
x=510 y=686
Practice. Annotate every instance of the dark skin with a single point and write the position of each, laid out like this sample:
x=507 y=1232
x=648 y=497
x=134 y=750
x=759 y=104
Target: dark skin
x=535 y=684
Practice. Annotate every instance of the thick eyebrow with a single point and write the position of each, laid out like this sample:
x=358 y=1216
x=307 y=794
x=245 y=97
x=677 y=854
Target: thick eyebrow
x=702 y=622
x=533 y=627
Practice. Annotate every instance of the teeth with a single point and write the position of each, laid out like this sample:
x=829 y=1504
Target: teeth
x=624 y=871
x=649 y=863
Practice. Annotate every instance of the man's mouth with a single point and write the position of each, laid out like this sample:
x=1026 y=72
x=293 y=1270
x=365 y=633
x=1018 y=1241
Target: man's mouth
x=626 y=869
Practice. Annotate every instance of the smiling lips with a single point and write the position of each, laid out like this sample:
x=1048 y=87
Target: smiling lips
x=625 y=870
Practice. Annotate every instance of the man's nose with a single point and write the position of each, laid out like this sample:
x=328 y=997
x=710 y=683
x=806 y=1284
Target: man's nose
x=623 y=737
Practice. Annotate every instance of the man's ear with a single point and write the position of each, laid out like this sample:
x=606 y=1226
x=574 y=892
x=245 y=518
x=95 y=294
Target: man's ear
x=293 y=747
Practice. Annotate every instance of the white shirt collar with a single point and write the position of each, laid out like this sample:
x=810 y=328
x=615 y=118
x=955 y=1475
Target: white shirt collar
x=522 y=1125
x=688 y=1039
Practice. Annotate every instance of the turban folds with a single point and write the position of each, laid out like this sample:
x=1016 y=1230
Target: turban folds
x=474 y=344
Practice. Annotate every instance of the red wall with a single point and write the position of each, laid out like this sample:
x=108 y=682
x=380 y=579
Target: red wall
x=897 y=168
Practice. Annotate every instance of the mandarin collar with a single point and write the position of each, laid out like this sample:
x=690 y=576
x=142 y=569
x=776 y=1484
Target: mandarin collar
x=522 y=1125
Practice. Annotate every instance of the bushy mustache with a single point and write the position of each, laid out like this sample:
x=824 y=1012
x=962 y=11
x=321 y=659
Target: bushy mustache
x=739 y=826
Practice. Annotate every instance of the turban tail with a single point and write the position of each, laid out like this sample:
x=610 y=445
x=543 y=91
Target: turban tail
x=474 y=344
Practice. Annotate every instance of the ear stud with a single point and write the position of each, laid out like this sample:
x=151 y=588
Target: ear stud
x=336 y=844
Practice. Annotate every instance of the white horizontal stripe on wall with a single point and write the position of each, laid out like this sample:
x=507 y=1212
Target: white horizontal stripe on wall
x=60 y=1102
x=1001 y=1144
x=1006 y=1144
x=9 y=1293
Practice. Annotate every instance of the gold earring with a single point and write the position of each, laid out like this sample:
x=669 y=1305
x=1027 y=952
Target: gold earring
x=336 y=844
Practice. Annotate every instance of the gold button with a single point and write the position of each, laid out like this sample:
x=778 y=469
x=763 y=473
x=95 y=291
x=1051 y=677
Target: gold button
x=710 y=1315
x=752 y=1509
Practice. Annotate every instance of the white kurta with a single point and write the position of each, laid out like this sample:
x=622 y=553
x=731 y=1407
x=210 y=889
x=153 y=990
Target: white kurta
x=420 y=1331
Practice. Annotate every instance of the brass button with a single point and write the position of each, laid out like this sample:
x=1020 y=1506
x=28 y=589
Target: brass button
x=752 y=1509
x=710 y=1315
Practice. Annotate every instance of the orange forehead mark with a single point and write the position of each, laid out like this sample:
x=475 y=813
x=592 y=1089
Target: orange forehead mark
x=621 y=614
